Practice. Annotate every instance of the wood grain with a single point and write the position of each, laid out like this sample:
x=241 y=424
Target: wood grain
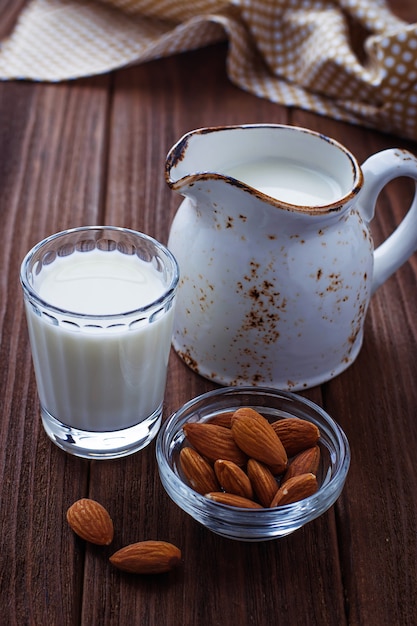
x=93 y=151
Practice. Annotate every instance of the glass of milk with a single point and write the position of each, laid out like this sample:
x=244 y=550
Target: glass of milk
x=99 y=305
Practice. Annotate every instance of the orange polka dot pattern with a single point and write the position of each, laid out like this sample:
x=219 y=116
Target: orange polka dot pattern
x=348 y=59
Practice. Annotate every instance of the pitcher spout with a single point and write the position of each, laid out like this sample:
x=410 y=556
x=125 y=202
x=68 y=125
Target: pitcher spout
x=274 y=168
x=194 y=157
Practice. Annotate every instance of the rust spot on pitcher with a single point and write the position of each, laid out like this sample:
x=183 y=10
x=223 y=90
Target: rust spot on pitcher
x=335 y=282
x=188 y=360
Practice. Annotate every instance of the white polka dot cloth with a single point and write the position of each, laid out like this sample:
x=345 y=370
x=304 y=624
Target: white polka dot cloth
x=349 y=59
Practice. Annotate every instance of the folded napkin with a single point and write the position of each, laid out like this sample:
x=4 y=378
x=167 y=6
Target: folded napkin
x=352 y=60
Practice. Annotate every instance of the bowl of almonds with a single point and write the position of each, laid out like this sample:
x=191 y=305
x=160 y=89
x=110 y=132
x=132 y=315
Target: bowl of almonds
x=252 y=463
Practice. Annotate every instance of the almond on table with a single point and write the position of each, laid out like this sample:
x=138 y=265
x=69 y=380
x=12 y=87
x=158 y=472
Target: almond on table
x=91 y=521
x=147 y=557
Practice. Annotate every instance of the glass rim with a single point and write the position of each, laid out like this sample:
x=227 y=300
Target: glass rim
x=33 y=295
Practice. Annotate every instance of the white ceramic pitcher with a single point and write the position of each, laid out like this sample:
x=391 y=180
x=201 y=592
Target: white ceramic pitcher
x=276 y=258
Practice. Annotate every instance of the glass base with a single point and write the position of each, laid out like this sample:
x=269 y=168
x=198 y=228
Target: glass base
x=102 y=445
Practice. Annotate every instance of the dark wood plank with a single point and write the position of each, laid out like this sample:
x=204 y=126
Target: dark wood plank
x=51 y=165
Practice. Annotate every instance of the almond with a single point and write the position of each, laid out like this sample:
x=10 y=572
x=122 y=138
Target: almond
x=91 y=521
x=222 y=419
x=305 y=462
x=294 y=489
x=233 y=479
x=147 y=557
x=263 y=481
x=214 y=442
x=255 y=436
x=198 y=471
x=296 y=434
x=232 y=500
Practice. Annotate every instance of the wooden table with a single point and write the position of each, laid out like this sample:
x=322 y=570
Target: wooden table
x=93 y=151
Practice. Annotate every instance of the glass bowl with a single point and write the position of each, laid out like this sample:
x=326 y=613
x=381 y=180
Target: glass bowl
x=253 y=524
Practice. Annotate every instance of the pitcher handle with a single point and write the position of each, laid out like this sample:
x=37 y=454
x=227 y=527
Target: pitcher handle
x=378 y=170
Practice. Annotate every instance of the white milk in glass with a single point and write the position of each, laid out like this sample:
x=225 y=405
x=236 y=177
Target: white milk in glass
x=288 y=181
x=93 y=378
